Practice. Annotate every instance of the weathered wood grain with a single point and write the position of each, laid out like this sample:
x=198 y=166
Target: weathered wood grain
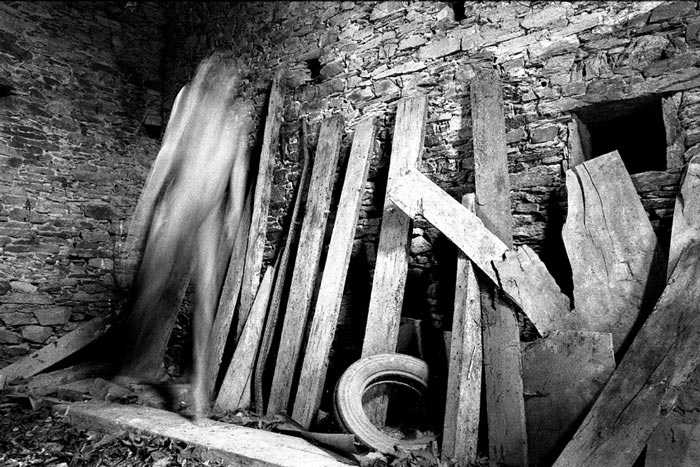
x=389 y=280
x=563 y=374
x=305 y=271
x=463 y=402
x=53 y=353
x=330 y=293
x=617 y=271
x=235 y=389
x=261 y=201
x=644 y=387
x=686 y=215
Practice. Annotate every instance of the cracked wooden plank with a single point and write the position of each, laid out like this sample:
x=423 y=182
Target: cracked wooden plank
x=645 y=385
x=618 y=272
x=313 y=230
x=330 y=292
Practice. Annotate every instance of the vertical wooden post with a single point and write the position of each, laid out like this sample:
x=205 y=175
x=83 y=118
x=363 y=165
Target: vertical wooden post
x=261 y=202
x=505 y=403
x=463 y=401
x=301 y=288
x=389 y=280
x=330 y=293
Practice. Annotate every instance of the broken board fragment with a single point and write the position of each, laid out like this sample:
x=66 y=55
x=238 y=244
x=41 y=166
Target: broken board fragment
x=311 y=238
x=53 y=353
x=330 y=292
x=563 y=374
x=463 y=401
x=645 y=385
x=617 y=271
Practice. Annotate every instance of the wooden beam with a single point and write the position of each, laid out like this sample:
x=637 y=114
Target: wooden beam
x=612 y=248
x=53 y=353
x=644 y=387
x=505 y=405
x=330 y=293
x=520 y=273
x=281 y=279
x=235 y=389
x=463 y=402
x=686 y=215
x=303 y=282
x=261 y=201
x=388 y=284
x=563 y=374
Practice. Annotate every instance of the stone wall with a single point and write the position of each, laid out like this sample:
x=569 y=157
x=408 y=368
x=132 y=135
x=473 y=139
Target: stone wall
x=80 y=92
x=359 y=58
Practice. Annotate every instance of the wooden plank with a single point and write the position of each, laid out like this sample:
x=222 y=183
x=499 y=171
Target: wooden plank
x=215 y=441
x=503 y=384
x=415 y=194
x=676 y=441
x=686 y=215
x=304 y=276
x=46 y=383
x=563 y=374
x=612 y=248
x=330 y=293
x=235 y=388
x=463 y=402
x=229 y=297
x=281 y=279
x=53 y=353
x=644 y=387
x=389 y=281
x=261 y=201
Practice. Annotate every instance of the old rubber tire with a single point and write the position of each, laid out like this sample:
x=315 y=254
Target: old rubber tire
x=362 y=375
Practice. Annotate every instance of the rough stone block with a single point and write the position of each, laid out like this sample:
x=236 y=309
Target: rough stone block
x=545 y=17
x=37 y=334
x=39 y=298
x=99 y=211
x=671 y=10
x=51 y=316
x=21 y=286
x=17 y=318
x=440 y=48
x=544 y=133
x=411 y=42
x=385 y=9
x=9 y=337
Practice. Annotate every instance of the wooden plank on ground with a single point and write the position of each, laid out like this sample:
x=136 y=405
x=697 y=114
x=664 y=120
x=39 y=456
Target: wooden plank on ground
x=645 y=385
x=215 y=441
x=503 y=384
x=313 y=230
x=617 y=271
x=281 y=279
x=463 y=402
x=53 y=353
x=46 y=383
x=235 y=389
x=563 y=374
x=330 y=293
x=229 y=297
x=261 y=201
x=520 y=273
x=686 y=215
x=389 y=281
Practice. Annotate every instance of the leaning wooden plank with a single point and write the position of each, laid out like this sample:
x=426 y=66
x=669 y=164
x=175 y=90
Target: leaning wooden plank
x=563 y=374
x=390 y=270
x=416 y=194
x=676 y=441
x=503 y=384
x=686 y=215
x=215 y=441
x=235 y=389
x=644 y=387
x=228 y=299
x=330 y=293
x=57 y=351
x=612 y=248
x=281 y=279
x=301 y=288
x=463 y=402
x=261 y=201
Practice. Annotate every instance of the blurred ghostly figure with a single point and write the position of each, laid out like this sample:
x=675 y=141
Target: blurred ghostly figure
x=199 y=177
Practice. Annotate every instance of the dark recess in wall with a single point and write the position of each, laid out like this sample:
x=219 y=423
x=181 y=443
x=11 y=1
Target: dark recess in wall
x=633 y=127
x=458 y=8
